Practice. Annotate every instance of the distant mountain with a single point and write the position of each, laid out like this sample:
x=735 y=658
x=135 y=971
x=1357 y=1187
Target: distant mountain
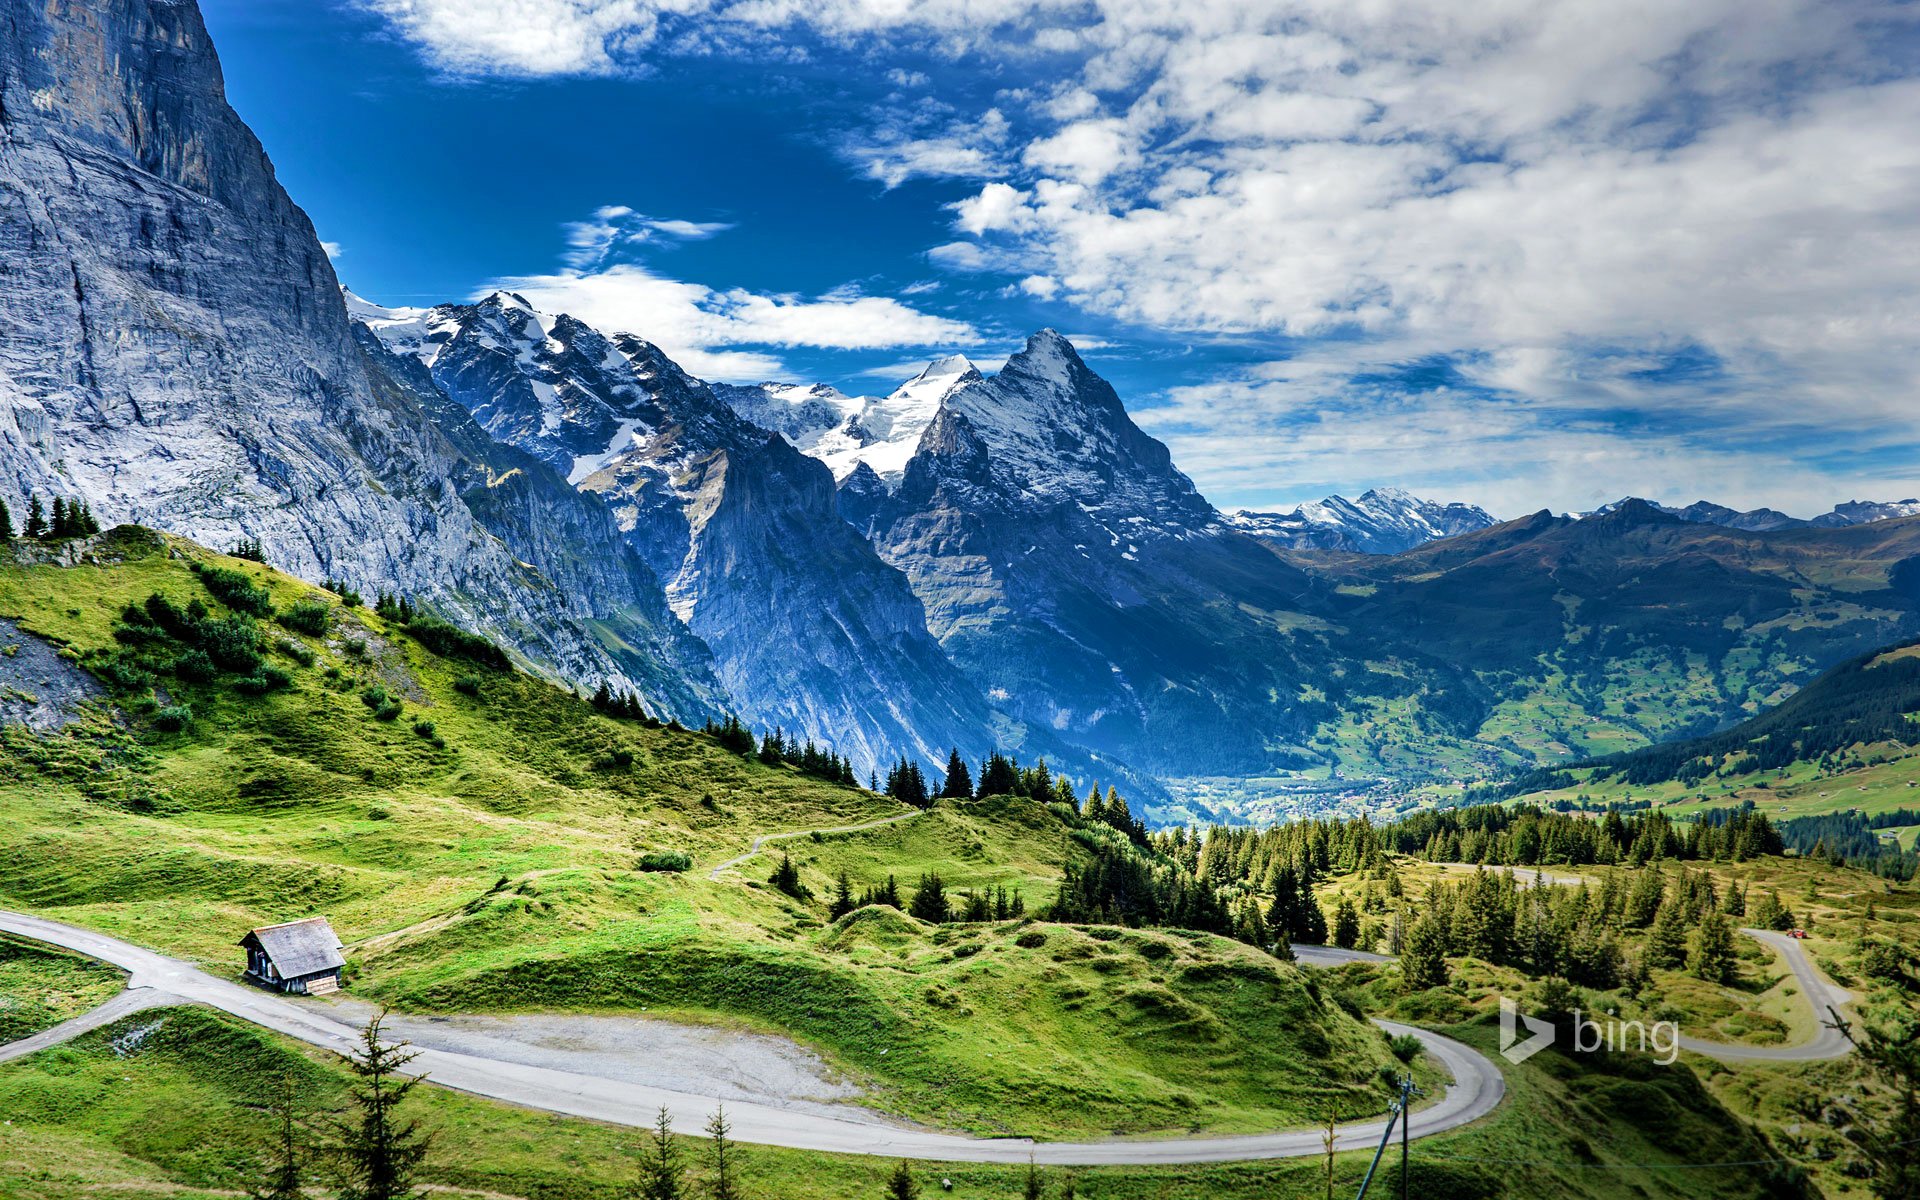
x=1763 y=520
x=1864 y=512
x=174 y=350
x=809 y=629
x=1630 y=626
x=1381 y=521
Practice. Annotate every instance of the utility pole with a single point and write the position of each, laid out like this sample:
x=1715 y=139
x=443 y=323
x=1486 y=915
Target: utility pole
x=1400 y=1110
x=1406 y=1120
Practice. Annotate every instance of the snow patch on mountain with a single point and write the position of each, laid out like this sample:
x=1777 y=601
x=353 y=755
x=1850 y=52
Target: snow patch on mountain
x=1381 y=521
x=846 y=431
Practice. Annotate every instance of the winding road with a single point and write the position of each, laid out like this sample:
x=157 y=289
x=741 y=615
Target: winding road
x=1821 y=992
x=156 y=980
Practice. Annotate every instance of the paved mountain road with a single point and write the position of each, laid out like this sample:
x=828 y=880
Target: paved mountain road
x=1820 y=992
x=1477 y=1088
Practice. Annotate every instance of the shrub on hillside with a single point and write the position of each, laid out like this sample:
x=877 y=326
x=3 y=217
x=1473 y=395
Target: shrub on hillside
x=173 y=718
x=468 y=685
x=267 y=678
x=665 y=860
x=450 y=641
x=235 y=590
x=307 y=616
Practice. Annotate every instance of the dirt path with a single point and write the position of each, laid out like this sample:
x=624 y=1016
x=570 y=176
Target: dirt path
x=760 y=842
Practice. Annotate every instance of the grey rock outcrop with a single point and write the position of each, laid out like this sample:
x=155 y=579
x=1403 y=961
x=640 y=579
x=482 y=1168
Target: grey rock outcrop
x=174 y=349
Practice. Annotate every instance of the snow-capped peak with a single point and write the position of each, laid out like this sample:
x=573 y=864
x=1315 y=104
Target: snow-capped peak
x=945 y=368
x=1382 y=521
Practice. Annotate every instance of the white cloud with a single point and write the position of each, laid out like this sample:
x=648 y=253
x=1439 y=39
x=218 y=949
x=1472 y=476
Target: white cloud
x=1563 y=195
x=714 y=333
x=332 y=250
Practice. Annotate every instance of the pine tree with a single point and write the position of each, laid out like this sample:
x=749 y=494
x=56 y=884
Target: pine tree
x=1712 y=955
x=283 y=1175
x=900 y=1185
x=36 y=527
x=998 y=777
x=62 y=525
x=1667 y=940
x=1424 y=962
x=930 y=900
x=662 y=1174
x=720 y=1150
x=377 y=1153
x=958 y=785
x=842 y=902
x=1034 y=1188
x=6 y=523
x=1346 y=925
x=786 y=877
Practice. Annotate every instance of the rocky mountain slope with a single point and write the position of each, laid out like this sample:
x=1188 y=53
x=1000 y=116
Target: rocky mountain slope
x=1381 y=521
x=1080 y=578
x=809 y=629
x=174 y=349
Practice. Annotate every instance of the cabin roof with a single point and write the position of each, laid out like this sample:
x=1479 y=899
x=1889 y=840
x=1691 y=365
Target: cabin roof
x=298 y=948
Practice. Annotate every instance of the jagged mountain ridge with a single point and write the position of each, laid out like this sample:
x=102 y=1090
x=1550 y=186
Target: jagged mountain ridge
x=173 y=348
x=1381 y=521
x=849 y=433
x=1764 y=520
x=1073 y=572
x=809 y=629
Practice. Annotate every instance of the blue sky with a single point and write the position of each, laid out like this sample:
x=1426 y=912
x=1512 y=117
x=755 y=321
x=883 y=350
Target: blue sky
x=1529 y=254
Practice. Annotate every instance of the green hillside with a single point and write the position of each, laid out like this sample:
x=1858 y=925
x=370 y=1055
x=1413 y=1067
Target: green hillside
x=1576 y=639
x=476 y=836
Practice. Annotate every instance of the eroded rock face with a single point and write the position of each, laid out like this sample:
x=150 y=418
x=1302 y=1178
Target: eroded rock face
x=1082 y=581
x=38 y=688
x=809 y=629
x=174 y=349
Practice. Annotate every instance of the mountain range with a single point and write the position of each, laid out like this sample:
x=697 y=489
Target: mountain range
x=1381 y=521
x=1763 y=520
x=971 y=560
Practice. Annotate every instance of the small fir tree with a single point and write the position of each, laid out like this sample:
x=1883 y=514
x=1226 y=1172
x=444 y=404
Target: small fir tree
x=900 y=1184
x=1711 y=957
x=842 y=902
x=930 y=901
x=662 y=1174
x=720 y=1153
x=958 y=784
x=36 y=526
x=378 y=1152
x=282 y=1176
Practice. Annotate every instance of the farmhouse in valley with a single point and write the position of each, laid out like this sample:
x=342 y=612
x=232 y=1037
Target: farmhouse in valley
x=298 y=956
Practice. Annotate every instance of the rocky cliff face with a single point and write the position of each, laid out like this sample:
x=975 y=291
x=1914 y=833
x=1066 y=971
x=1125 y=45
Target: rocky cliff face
x=809 y=629
x=1081 y=580
x=173 y=347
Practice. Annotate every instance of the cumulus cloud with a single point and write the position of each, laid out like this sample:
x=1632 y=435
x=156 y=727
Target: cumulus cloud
x=1600 y=219
x=715 y=333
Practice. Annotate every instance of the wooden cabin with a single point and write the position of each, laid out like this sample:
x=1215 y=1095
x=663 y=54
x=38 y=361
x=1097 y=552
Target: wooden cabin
x=302 y=957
